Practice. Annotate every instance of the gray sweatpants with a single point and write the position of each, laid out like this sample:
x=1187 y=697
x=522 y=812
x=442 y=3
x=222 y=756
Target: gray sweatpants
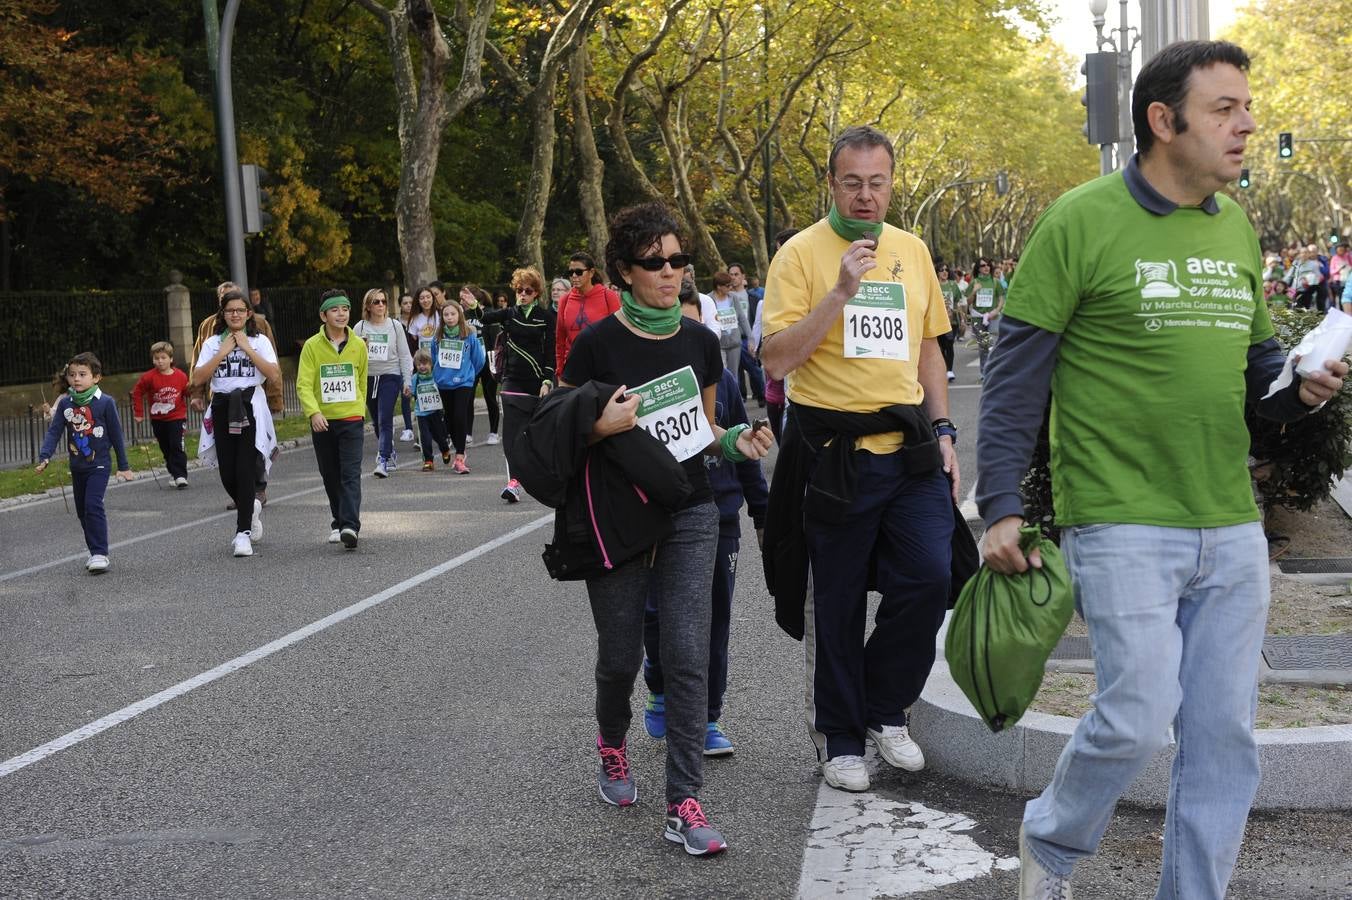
x=680 y=580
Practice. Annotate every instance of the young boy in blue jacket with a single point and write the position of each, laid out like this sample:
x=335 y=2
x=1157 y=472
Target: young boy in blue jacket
x=733 y=485
x=89 y=418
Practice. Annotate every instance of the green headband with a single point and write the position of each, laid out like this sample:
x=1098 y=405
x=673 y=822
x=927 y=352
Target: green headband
x=330 y=302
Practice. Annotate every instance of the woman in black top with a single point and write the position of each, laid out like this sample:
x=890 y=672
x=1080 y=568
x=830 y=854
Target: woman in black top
x=528 y=371
x=668 y=368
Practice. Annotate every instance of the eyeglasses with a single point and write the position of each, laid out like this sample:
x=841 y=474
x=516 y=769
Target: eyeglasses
x=525 y=290
x=677 y=261
x=576 y=273
x=235 y=311
x=855 y=185
x=375 y=300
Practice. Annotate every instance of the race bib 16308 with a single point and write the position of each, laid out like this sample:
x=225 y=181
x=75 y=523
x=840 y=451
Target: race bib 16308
x=875 y=322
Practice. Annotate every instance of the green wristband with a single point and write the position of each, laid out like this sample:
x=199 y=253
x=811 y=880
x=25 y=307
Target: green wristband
x=728 y=443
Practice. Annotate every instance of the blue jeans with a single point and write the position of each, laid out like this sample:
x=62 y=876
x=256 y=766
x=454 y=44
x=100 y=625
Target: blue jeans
x=381 y=393
x=1176 y=619
x=752 y=369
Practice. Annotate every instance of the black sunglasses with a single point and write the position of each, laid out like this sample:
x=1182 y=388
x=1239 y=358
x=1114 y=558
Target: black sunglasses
x=576 y=272
x=677 y=261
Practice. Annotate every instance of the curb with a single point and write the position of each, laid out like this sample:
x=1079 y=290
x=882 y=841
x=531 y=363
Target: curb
x=1303 y=768
x=8 y=503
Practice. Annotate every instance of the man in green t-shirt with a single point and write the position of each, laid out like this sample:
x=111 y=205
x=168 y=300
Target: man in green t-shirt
x=1139 y=309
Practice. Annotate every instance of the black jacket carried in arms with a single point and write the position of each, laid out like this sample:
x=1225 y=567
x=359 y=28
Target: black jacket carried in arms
x=613 y=499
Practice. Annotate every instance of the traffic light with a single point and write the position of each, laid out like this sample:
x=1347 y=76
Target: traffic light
x=1244 y=181
x=252 y=180
x=1100 y=97
x=1284 y=148
x=1001 y=183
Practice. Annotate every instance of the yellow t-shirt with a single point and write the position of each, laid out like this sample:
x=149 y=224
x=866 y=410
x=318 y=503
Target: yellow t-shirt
x=881 y=365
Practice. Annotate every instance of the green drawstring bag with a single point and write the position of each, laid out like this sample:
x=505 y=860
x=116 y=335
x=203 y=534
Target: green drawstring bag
x=1003 y=629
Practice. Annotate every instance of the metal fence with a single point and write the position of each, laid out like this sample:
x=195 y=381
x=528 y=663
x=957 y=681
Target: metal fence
x=21 y=436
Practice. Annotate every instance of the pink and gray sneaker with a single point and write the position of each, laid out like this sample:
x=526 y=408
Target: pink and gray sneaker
x=512 y=492
x=687 y=825
x=613 y=776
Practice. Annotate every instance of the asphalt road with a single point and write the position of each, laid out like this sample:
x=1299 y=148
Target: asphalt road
x=433 y=739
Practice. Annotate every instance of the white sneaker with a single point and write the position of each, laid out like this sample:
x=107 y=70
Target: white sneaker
x=392 y=462
x=349 y=538
x=242 y=545
x=469 y=440
x=492 y=437
x=1035 y=882
x=98 y=563
x=406 y=436
x=846 y=773
x=333 y=536
x=255 y=526
x=180 y=482
x=952 y=377
x=895 y=745
x=380 y=470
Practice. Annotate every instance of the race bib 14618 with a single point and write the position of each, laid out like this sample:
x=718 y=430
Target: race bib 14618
x=671 y=409
x=875 y=322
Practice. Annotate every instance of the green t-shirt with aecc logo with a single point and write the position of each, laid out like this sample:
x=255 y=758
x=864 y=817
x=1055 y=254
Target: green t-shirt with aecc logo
x=1156 y=316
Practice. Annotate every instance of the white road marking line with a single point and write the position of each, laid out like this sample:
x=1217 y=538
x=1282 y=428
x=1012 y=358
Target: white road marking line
x=145 y=537
x=864 y=845
x=10 y=766
x=974 y=363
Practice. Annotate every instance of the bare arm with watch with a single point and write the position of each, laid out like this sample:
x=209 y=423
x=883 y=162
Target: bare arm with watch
x=932 y=373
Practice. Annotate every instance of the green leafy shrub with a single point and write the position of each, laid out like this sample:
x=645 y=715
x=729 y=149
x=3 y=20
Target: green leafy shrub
x=1303 y=457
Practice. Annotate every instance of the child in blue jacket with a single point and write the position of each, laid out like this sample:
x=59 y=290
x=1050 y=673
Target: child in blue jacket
x=733 y=485
x=93 y=432
x=457 y=357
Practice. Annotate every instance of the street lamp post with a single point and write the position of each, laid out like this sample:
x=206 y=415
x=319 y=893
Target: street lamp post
x=1125 y=44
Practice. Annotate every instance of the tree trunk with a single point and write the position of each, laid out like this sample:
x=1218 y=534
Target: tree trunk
x=590 y=169
x=425 y=109
x=707 y=257
x=530 y=233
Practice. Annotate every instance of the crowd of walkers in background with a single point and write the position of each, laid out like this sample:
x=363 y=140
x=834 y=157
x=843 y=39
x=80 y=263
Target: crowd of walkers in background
x=1304 y=277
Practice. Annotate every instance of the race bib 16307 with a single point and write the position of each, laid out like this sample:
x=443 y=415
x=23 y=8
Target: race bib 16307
x=671 y=409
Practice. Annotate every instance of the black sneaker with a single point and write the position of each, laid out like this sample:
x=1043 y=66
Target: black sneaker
x=687 y=825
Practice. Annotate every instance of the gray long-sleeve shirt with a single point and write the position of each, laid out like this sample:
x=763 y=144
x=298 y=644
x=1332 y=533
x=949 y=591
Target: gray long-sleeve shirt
x=398 y=360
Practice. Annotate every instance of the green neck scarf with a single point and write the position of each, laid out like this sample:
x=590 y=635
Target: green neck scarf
x=527 y=308
x=80 y=398
x=852 y=229
x=648 y=319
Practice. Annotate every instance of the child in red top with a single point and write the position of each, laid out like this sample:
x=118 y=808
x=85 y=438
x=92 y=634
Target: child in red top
x=167 y=389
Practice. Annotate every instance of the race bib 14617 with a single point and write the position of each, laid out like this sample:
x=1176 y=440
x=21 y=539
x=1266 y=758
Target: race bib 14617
x=875 y=322
x=671 y=409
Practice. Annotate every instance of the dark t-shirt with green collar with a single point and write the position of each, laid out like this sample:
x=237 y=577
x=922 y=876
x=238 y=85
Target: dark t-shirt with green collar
x=1156 y=314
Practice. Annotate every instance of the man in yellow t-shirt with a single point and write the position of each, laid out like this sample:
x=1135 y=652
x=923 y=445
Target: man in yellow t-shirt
x=852 y=313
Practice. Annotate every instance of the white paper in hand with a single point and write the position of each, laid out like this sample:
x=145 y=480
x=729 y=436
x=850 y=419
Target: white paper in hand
x=1330 y=339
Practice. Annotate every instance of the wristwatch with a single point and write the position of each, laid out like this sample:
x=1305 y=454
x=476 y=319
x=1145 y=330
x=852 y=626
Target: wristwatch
x=945 y=427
